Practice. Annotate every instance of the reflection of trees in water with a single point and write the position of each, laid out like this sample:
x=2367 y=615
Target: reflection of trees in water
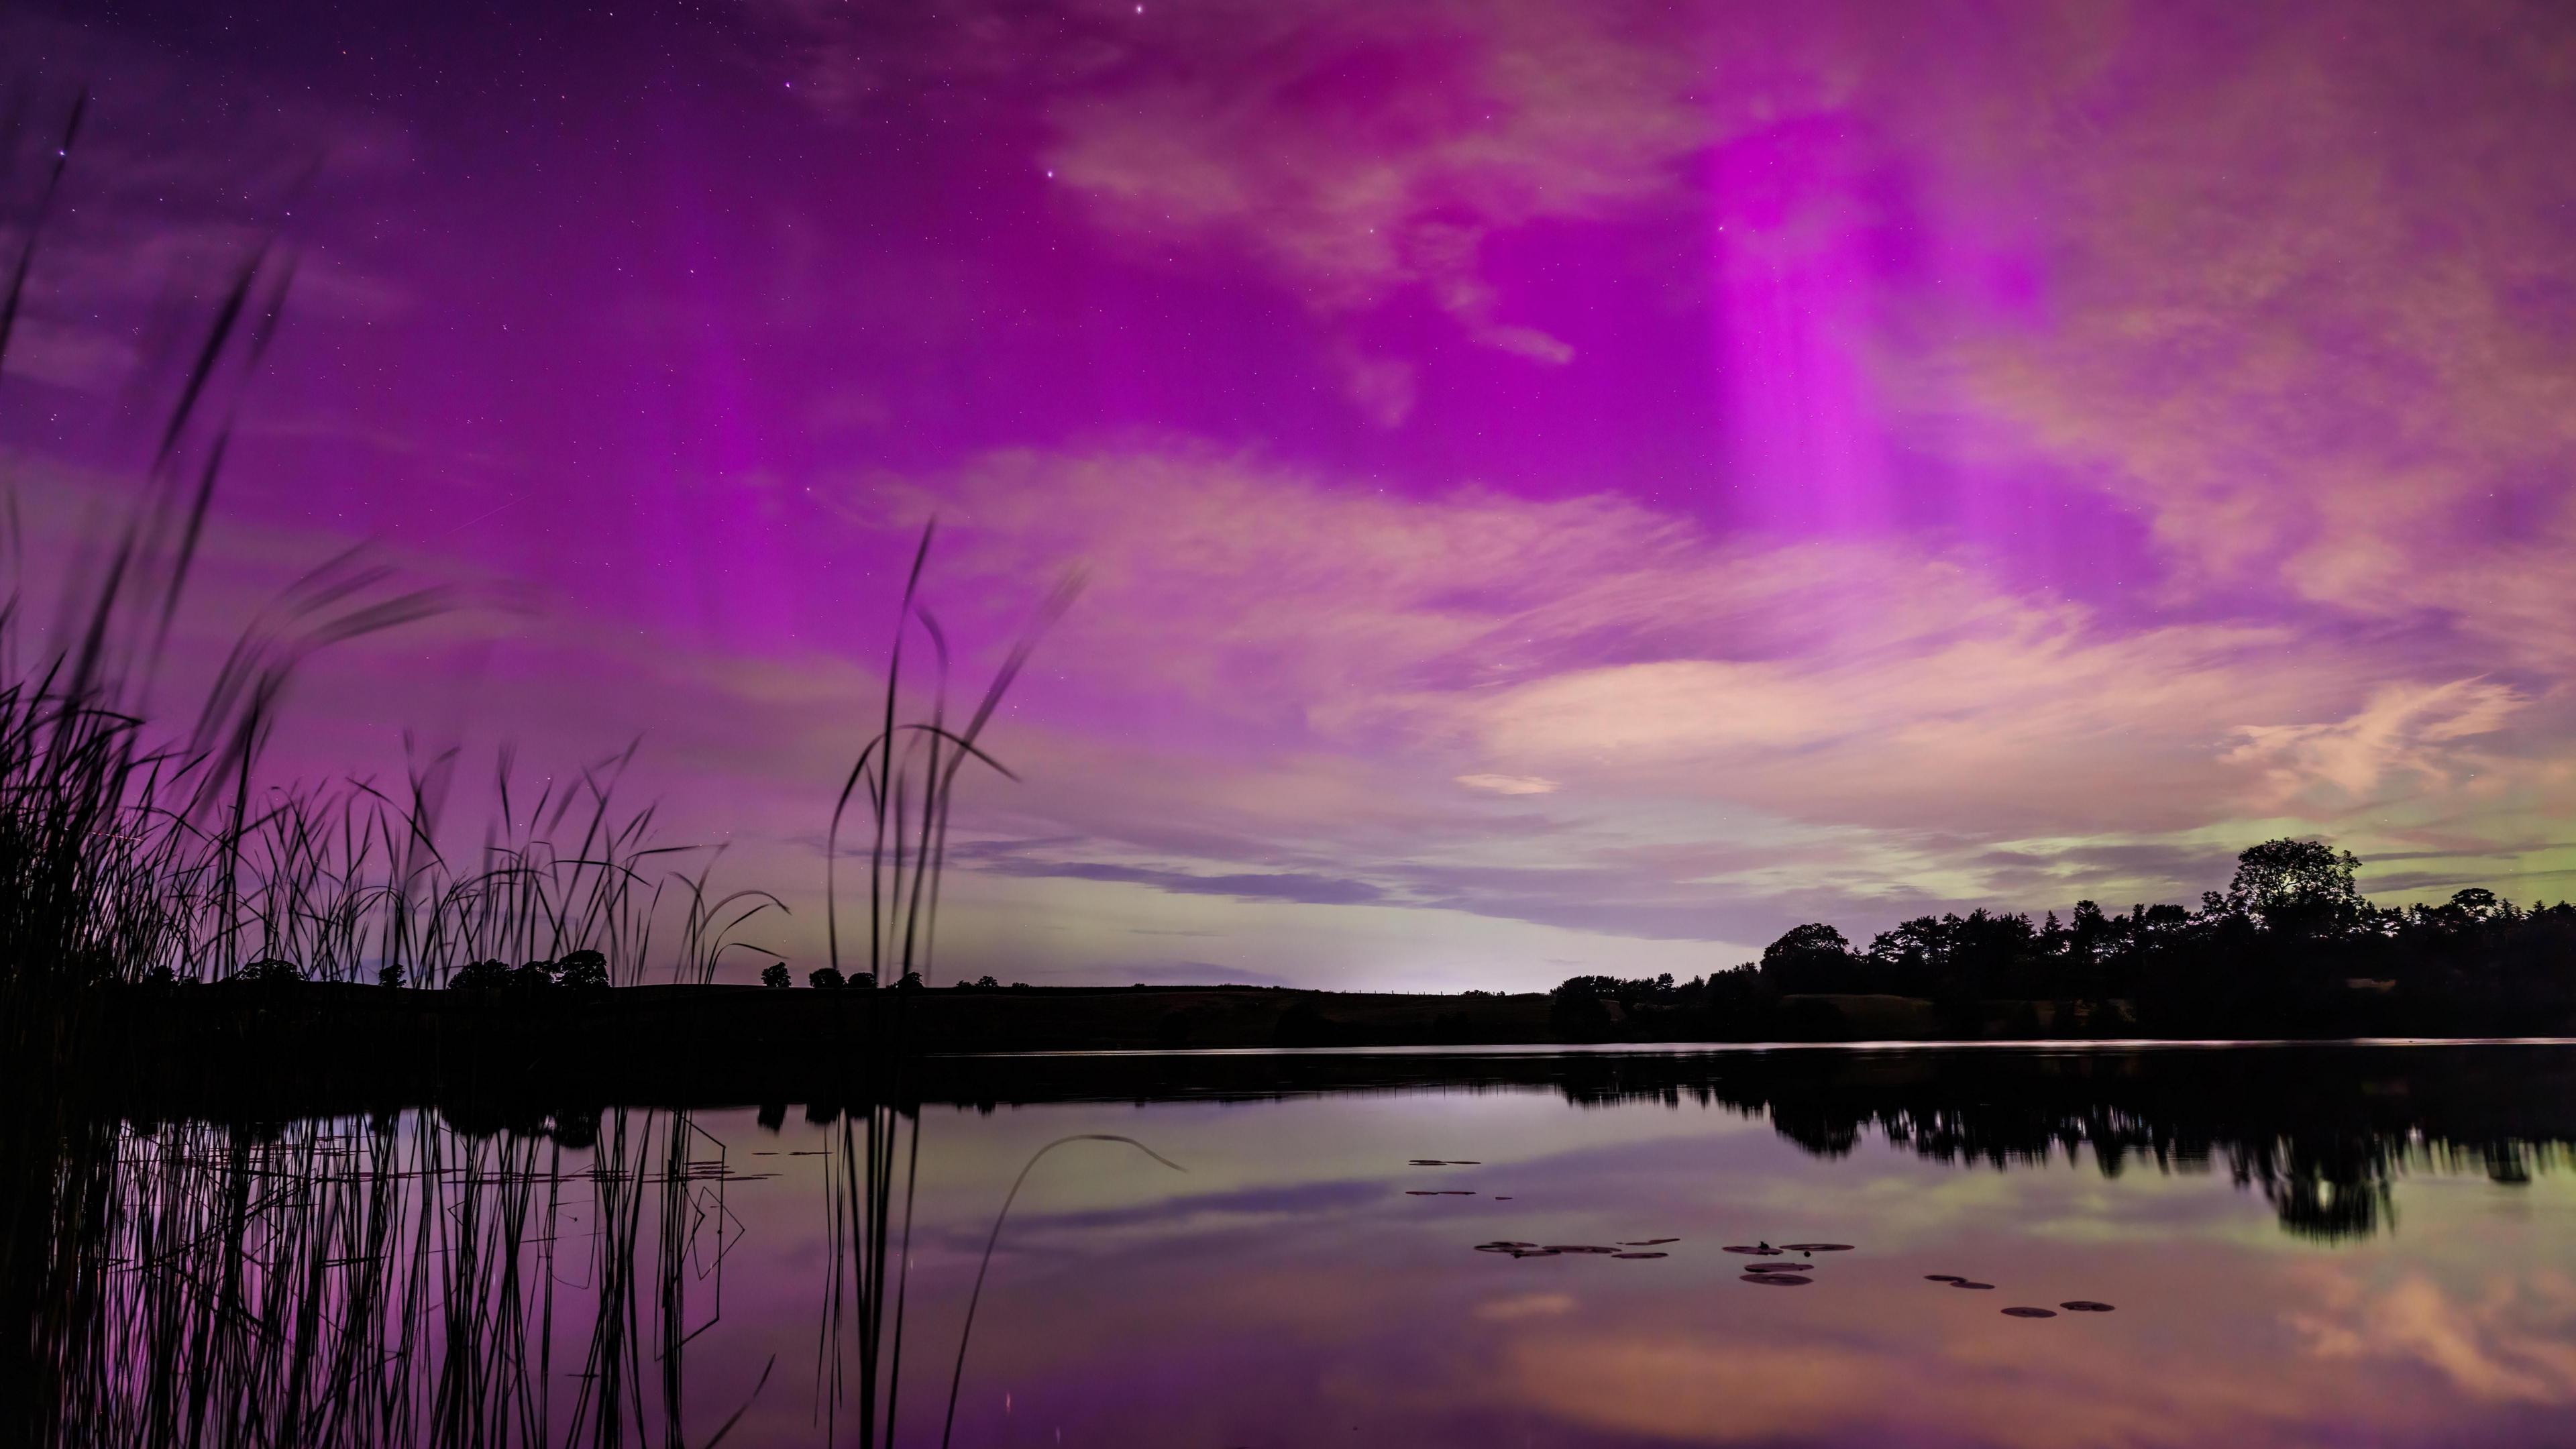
x=393 y=1281
x=2328 y=1191
x=508 y=1275
x=2322 y=1135
x=2322 y=1131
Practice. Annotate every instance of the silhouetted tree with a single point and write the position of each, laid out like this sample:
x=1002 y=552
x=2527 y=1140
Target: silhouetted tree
x=2300 y=885
x=1813 y=957
x=2291 y=948
x=775 y=975
x=582 y=971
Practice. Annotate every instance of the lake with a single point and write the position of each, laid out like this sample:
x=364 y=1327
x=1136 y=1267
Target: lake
x=2279 y=1245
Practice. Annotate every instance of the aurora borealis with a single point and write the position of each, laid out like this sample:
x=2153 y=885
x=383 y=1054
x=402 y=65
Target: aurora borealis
x=1562 y=486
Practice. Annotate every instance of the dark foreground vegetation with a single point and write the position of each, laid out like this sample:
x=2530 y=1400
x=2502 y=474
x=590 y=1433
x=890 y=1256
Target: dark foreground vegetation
x=2293 y=953
x=177 y=927
x=2290 y=950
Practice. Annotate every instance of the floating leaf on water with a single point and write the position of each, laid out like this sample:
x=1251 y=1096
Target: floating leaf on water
x=1817 y=1247
x=1779 y=1268
x=1534 y=1252
x=1500 y=1198
x=1579 y=1248
x=1426 y=1162
x=2030 y=1313
x=1649 y=1242
x=2085 y=1305
x=1785 y=1280
x=1943 y=1278
x=1757 y=1252
x=1964 y=1283
x=1641 y=1255
x=1497 y=1248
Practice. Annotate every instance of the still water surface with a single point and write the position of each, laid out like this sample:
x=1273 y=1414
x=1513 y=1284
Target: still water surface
x=2296 y=1246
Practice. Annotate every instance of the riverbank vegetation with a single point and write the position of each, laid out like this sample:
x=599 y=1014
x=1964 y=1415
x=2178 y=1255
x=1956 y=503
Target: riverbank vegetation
x=2291 y=948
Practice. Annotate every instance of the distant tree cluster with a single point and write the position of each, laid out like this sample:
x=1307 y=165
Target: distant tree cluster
x=2291 y=946
x=575 y=970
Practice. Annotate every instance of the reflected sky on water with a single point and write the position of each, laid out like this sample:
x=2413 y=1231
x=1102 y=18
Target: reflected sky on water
x=1291 y=1288
x=2298 y=1246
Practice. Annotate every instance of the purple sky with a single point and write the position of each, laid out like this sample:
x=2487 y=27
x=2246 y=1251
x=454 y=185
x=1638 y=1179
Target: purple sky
x=1566 y=485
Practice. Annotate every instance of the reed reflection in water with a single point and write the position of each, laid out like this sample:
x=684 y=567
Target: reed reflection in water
x=391 y=1281
x=2298 y=1246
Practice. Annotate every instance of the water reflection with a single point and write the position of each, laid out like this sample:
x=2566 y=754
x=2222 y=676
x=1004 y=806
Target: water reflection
x=398 y=1280
x=1568 y=1274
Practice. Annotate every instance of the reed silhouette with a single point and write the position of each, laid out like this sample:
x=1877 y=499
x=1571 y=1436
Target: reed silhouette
x=392 y=1279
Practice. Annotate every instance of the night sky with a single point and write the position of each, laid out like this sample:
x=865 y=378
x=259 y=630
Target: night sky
x=1565 y=485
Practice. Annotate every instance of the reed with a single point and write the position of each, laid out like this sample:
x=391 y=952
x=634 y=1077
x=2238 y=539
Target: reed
x=393 y=1282
x=396 y=1280
x=905 y=779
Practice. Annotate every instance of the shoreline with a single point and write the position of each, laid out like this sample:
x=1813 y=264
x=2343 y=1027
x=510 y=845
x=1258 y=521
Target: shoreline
x=283 y=1050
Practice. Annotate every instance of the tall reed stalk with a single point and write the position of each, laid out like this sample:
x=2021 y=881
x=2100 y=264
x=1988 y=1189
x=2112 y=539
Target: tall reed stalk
x=905 y=777
x=198 y=1284
x=383 y=1284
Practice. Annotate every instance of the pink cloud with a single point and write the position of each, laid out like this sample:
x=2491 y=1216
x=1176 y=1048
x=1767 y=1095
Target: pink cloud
x=2309 y=312
x=1360 y=150
x=1308 y=672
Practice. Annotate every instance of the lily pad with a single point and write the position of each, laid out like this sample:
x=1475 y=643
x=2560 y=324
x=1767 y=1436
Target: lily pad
x=1649 y=1242
x=2085 y=1305
x=1964 y=1283
x=2030 y=1313
x=1784 y=1280
x=1641 y=1255
x=1780 y=1268
x=1533 y=1252
x=1817 y=1247
x=1757 y=1252
x=1579 y=1248
x=1943 y=1278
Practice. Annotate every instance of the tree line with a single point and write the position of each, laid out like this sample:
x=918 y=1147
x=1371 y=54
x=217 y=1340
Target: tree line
x=2291 y=947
